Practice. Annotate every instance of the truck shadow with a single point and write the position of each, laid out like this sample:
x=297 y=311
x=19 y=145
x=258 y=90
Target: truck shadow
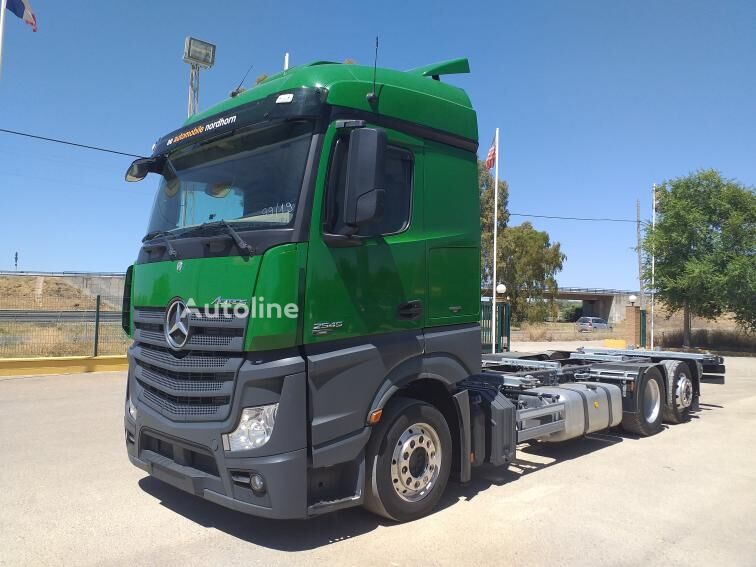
x=531 y=458
x=282 y=535
x=300 y=535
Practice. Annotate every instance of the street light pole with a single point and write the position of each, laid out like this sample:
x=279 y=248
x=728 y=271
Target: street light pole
x=199 y=55
x=193 y=106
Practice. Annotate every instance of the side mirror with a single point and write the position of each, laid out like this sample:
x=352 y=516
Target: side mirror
x=140 y=167
x=364 y=194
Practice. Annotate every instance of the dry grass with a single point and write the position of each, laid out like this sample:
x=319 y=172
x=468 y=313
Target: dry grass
x=40 y=293
x=711 y=339
x=19 y=340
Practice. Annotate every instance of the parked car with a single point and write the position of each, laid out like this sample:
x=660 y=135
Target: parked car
x=590 y=324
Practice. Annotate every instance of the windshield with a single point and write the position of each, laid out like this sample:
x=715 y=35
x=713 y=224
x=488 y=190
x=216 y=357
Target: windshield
x=252 y=179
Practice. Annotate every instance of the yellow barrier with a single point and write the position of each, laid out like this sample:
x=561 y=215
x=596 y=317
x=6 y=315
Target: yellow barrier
x=615 y=343
x=61 y=365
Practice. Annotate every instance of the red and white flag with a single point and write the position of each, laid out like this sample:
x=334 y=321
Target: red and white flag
x=23 y=10
x=491 y=157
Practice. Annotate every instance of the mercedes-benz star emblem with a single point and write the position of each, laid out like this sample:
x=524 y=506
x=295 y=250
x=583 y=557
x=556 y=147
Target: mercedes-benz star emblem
x=177 y=324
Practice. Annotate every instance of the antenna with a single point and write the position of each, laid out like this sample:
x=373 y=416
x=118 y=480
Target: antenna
x=372 y=97
x=239 y=89
x=286 y=61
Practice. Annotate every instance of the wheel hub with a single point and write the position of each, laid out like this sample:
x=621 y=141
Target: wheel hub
x=684 y=392
x=651 y=401
x=415 y=462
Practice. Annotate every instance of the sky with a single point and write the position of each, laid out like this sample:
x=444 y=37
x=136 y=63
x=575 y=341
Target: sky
x=596 y=101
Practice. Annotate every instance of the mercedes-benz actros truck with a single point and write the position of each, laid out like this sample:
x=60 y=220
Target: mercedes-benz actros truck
x=305 y=308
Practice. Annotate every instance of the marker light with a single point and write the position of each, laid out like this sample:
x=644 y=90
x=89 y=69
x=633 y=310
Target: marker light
x=132 y=409
x=254 y=429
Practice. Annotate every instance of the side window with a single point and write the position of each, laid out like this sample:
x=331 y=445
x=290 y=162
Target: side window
x=398 y=185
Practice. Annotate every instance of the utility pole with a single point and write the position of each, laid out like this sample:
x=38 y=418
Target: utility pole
x=640 y=261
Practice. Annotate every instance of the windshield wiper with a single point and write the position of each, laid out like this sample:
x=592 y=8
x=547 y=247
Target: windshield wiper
x=238 y=240
x=163 y=236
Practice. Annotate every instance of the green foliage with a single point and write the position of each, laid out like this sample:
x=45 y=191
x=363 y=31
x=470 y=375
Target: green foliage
x=486 y=183
x=705 y=246
x=527 y=261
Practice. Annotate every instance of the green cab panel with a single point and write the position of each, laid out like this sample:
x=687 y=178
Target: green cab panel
x=275 y=318
x=452 y=298
x=199 y=279
x=270 y=285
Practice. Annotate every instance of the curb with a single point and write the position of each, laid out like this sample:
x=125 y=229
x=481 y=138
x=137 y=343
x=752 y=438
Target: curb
x=61 y=365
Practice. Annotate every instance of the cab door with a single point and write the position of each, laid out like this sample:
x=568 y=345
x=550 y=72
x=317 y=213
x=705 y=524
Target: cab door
x=375 y=282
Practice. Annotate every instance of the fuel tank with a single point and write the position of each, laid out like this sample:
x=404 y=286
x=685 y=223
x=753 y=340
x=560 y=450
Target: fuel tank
x=589 y=407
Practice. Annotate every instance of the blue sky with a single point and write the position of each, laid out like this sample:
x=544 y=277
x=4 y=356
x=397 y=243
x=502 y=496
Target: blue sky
x=596 y=101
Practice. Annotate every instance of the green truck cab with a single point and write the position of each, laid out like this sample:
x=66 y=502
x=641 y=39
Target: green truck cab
x=307 y=292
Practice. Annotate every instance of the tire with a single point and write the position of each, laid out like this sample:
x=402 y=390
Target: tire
x=648 y=419
x=411 y=447
x=679 y=396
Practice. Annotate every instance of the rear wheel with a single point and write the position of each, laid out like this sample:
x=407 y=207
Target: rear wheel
x=648 y=418
x=679 y=395
x=408 y=460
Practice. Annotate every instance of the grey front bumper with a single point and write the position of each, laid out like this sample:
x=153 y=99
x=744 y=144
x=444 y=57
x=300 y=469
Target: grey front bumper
x=189 y=454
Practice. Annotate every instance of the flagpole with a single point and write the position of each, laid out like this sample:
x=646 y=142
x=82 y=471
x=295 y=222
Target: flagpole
x=653 y=260
x=495 y=230
x=3 y=5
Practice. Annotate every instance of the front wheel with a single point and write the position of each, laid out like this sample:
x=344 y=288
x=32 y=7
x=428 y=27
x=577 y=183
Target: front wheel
x=408 y=461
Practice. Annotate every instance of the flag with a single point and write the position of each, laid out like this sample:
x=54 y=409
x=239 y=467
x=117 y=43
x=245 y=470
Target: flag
x=23 y=10
x=491 y=157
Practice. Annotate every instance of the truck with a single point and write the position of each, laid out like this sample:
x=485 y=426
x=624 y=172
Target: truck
x=305 y=306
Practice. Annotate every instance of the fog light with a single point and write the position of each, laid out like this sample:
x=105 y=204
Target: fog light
x=254 y=429
x=257 y=483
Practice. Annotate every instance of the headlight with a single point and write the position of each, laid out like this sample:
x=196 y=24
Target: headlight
x=132 y=409
x=254 y=429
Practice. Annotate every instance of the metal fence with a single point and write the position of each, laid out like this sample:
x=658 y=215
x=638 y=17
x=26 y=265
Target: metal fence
x=68 y=324
x=71 y=324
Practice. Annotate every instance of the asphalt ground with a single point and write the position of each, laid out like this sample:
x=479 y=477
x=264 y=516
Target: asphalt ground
x=687 y=496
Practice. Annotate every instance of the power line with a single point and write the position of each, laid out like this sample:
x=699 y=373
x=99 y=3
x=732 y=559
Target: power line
x=107 y=150
x=572 y=218
x=67 y=143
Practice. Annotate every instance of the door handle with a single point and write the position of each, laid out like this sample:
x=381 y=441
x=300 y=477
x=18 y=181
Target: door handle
x=410 y=311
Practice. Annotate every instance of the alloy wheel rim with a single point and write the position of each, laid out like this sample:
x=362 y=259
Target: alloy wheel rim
x=416 y=462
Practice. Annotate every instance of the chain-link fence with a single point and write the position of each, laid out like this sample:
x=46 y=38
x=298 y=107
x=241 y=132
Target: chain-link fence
x=40 y=324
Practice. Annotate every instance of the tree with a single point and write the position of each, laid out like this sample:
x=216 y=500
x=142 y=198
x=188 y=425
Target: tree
x=705 y=248
x=528 y=264
x=486 y=183
x=527 y=261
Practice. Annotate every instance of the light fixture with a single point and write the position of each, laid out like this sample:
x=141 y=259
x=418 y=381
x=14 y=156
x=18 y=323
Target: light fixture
x=633 y=298
x=254 y=429
x=198 y=52
x=501 y=289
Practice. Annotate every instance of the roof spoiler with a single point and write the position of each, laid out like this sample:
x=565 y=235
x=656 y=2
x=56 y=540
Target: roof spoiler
x=450 y=67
